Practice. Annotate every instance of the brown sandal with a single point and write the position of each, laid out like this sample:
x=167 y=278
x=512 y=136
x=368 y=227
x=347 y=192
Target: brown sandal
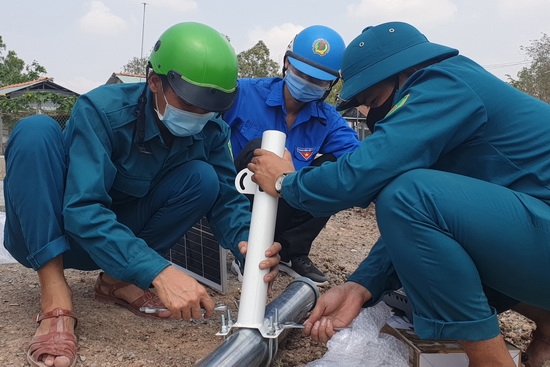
x=56 y=343
x=537 y=340
x=105 y=293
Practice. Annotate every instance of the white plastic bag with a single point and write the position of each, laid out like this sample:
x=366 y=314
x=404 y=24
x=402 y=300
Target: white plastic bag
x=364 y=345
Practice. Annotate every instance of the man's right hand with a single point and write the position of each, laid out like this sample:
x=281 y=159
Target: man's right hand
x=182 y=294
x=337 y=307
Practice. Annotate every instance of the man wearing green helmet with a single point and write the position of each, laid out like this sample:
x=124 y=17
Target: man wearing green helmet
x=137 y=165
x=458 y=165
x=315 y=132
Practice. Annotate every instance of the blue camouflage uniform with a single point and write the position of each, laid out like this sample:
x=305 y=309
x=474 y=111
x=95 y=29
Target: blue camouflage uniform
x=105 y=202
x=460 y=170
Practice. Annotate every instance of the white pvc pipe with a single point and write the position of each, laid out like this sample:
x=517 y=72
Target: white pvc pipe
x=262 y=231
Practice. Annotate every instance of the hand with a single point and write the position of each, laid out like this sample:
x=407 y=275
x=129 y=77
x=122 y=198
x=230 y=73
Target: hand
x=266 y=166
x=337 y=307
x=271 y=263
x=182 y=294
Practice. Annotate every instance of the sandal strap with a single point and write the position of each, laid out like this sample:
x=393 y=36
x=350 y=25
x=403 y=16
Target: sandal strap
x=111 y=288
x=55 y=342
x=60 y=343
x=148 y=299
x=56 y=312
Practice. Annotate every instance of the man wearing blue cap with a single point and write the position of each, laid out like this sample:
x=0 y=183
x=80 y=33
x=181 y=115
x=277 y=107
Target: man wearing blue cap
x=315 y=132
x=459 y=165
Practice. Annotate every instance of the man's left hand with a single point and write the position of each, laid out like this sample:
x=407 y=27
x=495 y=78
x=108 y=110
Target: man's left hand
x=271 y=263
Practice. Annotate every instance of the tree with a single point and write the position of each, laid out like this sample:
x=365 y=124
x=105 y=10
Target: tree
x=535 y=79
x=256 y=63
x=136 y=66
x=13 y=69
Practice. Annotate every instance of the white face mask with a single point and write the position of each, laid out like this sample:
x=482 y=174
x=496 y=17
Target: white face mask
x=181 y=122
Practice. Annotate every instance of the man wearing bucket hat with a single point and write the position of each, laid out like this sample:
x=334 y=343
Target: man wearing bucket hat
x=315 y=132
x=459 y=165
x=137 y=165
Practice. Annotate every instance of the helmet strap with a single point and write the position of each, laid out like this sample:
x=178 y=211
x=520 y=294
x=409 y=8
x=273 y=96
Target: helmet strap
x=139 y=131
x=327 y=92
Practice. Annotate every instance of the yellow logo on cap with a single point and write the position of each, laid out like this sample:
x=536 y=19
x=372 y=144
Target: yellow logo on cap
x=320 y=47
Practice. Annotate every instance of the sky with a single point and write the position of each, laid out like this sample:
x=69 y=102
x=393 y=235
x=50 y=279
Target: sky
x=81 y=43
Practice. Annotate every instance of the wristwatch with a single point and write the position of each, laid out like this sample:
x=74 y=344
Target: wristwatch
x=279 y=183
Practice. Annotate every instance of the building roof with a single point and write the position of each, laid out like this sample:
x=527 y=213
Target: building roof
x=43 y=84
x=118 y=78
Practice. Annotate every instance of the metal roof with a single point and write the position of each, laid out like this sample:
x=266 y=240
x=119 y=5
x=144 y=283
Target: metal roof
x=118 y=78
x=43 y=84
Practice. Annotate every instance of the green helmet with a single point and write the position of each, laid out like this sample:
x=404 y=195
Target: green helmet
x=200 y=64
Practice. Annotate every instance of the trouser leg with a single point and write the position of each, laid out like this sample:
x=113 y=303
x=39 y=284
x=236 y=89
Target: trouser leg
x=295 y=229
x=33 y=192
x=448 y=235
x=500 y=302
x=174 y=205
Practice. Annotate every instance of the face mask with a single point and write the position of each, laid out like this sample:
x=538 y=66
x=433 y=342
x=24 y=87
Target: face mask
x=301 y=89
x=181 y=122
x=378 y=113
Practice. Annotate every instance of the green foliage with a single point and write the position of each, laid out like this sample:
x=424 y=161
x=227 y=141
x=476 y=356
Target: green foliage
x=14 y=109
x=136 y=66
x=36 y=101
x=535 y=79
x=256 y=63
x=13 y=69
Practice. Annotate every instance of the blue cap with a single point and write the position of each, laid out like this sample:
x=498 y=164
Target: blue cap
x=382 y=51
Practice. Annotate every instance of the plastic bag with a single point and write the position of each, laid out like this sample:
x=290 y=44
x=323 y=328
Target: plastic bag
x=364 y=345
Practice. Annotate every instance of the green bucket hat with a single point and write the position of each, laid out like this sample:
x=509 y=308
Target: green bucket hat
x=382 y=51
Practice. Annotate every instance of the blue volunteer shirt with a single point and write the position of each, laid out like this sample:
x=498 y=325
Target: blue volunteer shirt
x=319 y=128
x=105 y=167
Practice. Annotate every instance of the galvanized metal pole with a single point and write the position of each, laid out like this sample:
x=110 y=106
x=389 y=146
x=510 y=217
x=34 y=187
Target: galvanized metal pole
x=247 y=347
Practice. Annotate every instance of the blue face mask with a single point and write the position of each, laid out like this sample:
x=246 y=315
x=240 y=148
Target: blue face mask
x=303 y=90
x=181 y=122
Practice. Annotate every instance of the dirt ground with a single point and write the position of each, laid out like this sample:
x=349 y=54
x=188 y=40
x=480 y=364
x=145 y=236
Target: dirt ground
x=111 y=336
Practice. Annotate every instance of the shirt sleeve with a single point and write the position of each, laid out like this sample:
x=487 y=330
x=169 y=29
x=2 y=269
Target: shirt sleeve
x=341 y=138
x=436 y=112
x=230 y=215
x=376 y=273
x=88 y=217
